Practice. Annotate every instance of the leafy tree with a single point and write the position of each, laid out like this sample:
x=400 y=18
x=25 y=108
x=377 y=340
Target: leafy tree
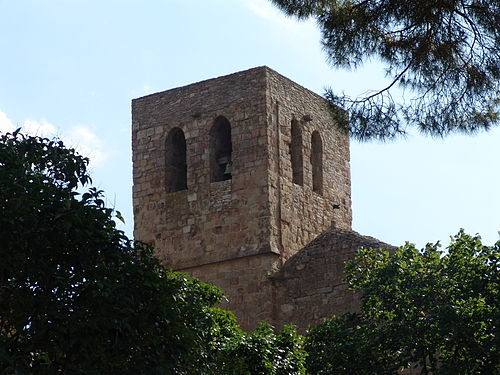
x=262 y=352
x=438 y=312
x=76 y=295
x=444 y=53
x=345 y=345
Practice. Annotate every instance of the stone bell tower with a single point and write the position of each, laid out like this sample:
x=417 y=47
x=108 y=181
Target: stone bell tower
x=233 y=176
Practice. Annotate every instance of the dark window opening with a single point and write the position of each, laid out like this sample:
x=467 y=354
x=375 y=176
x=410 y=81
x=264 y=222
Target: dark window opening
x=220 y=150
x=175 y=162
x=296 y=153
x=317 y=162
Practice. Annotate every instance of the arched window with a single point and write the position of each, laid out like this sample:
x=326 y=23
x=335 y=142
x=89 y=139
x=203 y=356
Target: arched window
x=220 y=150
x=175 y=161
x=317 y=162
x=296 y=153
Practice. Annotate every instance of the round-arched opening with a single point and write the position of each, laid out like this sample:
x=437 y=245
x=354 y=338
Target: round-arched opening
x=221 y=149
x=317 y=162
x=296 y=155
x=175 y=161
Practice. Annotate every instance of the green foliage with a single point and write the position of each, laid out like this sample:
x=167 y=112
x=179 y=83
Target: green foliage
x=444 y=53
x=262 y=352
x=76 y=295
x=346 y=345
x=437 y=311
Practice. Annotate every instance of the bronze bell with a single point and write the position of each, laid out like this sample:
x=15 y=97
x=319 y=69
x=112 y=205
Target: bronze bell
x=229 y=167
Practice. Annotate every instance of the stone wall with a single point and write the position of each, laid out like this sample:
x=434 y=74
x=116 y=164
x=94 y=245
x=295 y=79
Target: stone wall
x=260 y=209
x=247 y=284
x=300 y=214
x=310 y=286
x=244 y=233
x=210 y=221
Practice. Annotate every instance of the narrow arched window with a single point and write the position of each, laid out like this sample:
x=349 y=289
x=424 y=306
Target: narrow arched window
x=317 y=162
x=175 y=161
x=296 y=153
x=220 y=150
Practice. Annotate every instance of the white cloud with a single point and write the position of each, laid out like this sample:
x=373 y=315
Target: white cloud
x=291 y=26
x=81 y=137
x=87 y=143
x=5 y=124
x=146 y=89
x=41 y=128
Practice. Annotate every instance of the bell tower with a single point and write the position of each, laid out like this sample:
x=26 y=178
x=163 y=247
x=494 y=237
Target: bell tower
x=234 y=175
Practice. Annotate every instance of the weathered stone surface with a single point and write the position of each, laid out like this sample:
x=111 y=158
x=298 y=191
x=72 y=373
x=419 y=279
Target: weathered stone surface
x=245 y=233
x=312 y=281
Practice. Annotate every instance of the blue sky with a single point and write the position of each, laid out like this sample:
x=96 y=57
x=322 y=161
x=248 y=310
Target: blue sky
x=71 y=67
